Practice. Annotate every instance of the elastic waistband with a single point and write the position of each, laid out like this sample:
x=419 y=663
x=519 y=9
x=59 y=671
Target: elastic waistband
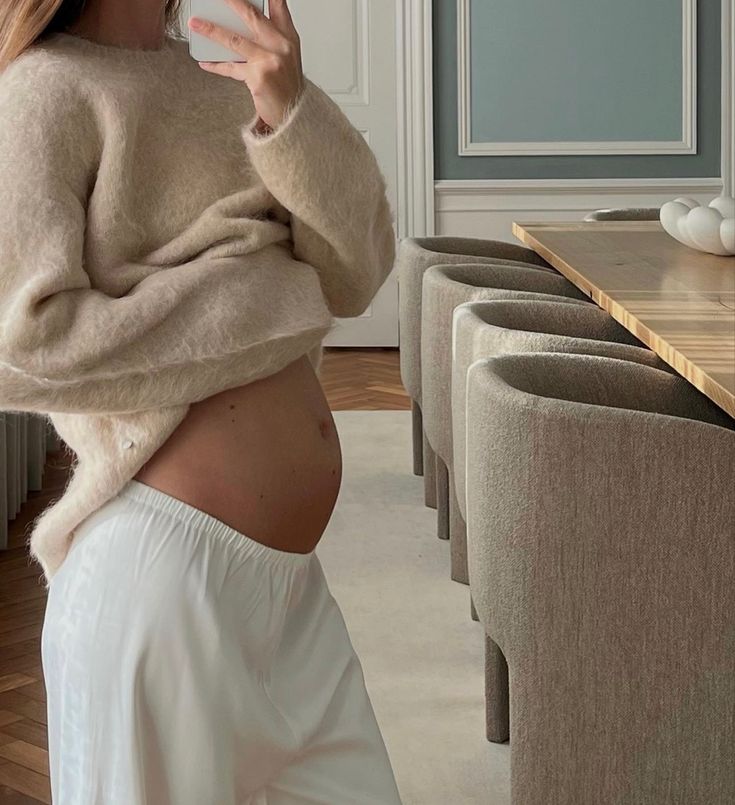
x=202 y=521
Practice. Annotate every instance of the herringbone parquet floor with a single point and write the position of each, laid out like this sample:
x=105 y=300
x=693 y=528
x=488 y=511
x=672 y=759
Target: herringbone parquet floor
x=352 y=379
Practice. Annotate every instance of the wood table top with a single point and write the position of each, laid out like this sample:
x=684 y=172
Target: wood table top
x=677 y=301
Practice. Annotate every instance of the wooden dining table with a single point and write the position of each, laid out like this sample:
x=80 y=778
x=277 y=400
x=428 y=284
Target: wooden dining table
x=678 y=301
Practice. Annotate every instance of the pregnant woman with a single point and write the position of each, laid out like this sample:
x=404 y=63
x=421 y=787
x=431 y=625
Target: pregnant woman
x=176 y=239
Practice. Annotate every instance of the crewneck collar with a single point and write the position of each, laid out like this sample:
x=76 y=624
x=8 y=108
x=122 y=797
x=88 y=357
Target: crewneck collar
x=169 y=45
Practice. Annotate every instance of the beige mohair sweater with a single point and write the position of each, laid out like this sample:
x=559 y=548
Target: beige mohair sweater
x=154 y=250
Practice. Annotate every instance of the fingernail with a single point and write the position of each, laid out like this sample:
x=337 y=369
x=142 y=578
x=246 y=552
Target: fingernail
x=195 y=22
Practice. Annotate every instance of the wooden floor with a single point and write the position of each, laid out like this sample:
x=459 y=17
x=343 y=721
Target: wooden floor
x=353 y=379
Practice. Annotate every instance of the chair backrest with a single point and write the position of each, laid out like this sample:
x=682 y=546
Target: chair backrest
x=601 y=557
x=549 y=318
x=625 y=214
x=609 y=384
x=434 y=249
x=414 y=257
x=485 y=329
x=446 y=286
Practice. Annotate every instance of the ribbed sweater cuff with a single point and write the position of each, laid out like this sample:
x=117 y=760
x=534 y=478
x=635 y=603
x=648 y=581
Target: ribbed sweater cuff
x=251 y=135
x=306 y=122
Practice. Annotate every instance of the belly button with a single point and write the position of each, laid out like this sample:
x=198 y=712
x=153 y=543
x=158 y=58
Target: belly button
x=324 y=427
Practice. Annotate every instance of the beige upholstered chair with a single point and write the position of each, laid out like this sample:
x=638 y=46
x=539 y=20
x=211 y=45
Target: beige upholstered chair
x=625 y=214
x=445 y=287
x=414 y=256
x=602 y=557
x=488 y=329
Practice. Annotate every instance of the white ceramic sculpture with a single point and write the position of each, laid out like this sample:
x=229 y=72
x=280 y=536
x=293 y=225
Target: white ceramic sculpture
x=708 y=229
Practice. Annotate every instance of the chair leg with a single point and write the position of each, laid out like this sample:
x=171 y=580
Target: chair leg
x=457 y=537
x=442 y=499
x=497 y=698
x=473 y=611
x=429 y=474
x=417 y=436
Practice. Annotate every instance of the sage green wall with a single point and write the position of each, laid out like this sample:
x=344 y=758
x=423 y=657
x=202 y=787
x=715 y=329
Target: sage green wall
x=449 y=165
x=585 y=71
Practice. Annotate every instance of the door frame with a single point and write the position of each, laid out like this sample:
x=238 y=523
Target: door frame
x=415 y=147
x=414 y=213
x=728 y=105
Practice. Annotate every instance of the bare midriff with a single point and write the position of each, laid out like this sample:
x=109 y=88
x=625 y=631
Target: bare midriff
x=263 y=458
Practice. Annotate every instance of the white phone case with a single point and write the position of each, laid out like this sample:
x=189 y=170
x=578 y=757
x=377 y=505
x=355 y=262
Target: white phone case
x=202 y=48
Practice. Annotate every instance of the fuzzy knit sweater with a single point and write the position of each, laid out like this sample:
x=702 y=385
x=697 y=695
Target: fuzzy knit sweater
x=156 y=250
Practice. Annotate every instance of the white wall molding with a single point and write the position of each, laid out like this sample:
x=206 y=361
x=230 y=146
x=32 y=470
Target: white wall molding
x=687 y=144
x=415 y=213
x=428 y=207
x=486 y=208
x=728 y=90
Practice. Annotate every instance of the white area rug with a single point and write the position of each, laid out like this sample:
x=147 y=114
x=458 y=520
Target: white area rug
x=421 y=653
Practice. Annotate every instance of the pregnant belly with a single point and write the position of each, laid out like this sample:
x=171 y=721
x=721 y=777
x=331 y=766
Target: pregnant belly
x=264 y=458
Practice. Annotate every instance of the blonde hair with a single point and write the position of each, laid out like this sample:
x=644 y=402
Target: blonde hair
x=24 y=22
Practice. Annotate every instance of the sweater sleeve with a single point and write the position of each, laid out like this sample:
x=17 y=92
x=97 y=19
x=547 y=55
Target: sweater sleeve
x=181 y=334
x=319 y=167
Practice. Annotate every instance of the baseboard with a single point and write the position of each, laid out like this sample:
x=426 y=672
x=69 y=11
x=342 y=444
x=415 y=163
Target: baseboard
x=486 y=208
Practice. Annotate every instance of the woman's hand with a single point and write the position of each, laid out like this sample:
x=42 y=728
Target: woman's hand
x=273 y=71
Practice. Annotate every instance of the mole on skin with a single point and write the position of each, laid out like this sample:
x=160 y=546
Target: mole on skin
x=324 y=426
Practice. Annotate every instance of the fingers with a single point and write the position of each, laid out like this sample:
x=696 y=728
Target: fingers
x=280 y=15
x=276 y=32
x=254 y=18
x=232 y=40
x=231 y=69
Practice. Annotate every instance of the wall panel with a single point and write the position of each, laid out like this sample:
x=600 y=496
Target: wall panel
x=450 y=165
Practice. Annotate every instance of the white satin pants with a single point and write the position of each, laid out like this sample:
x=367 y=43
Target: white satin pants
x=187 y=664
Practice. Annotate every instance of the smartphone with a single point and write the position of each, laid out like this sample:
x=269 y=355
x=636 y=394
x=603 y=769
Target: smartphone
x=202 y=48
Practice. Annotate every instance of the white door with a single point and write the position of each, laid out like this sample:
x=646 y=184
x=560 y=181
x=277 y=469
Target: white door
x=349 y=50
